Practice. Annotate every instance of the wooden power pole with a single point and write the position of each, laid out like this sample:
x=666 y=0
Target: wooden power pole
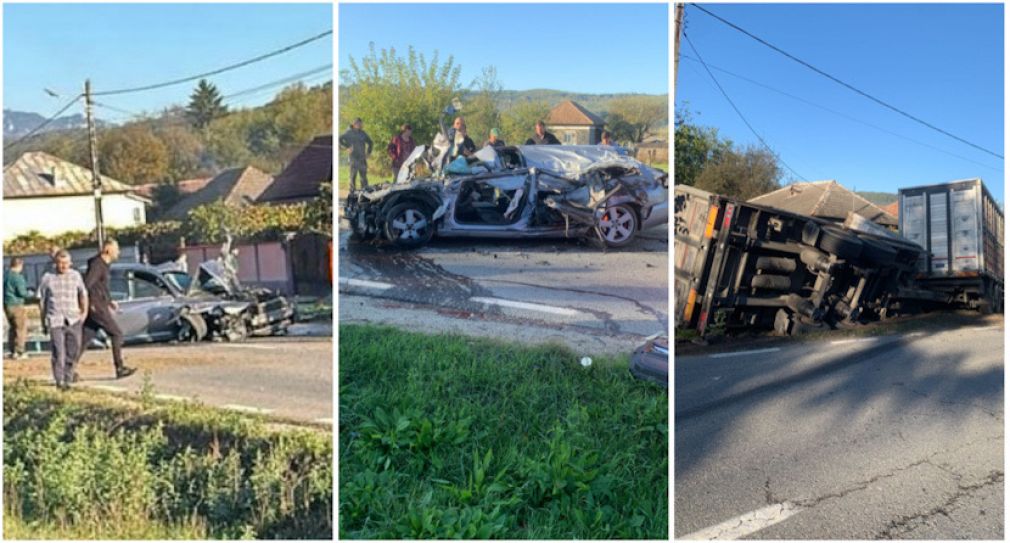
x=96 y=178
x=678 y=24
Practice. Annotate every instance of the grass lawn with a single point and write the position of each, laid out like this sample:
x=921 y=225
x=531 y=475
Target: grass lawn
x=446 y=436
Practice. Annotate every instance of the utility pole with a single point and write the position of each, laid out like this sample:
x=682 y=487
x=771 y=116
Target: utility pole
x=96 y=178
x=678 y=24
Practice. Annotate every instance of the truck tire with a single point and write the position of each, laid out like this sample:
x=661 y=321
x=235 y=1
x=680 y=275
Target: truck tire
x=836 y=241
x=409 y=225
x=878 y=253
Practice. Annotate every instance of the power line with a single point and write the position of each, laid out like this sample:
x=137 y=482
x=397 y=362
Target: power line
x=846 y=85
x=282 y=81
x=738 y=112
x=44 y=123
x=840 y=114
x=217 y=71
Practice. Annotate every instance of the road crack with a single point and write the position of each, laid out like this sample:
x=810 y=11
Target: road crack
x=907 y=523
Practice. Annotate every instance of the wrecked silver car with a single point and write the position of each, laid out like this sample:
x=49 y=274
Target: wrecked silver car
x=161 y=304
x=548 y=191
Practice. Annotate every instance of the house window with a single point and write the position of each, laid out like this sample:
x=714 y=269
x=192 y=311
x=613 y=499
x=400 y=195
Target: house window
x=569 y=138
x=136 y=215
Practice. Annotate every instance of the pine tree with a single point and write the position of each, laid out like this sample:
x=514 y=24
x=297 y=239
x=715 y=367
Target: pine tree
x=205 y=105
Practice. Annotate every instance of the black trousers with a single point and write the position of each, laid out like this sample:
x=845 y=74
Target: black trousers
x=102 y=319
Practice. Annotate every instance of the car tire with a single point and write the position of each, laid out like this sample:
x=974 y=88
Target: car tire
x=836 y=241
x=409 y=225
x=618 y=225
x=192 y=328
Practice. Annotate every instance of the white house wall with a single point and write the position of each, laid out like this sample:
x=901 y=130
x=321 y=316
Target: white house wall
x=56 y=215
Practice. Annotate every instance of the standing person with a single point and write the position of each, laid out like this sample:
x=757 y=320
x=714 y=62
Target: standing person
x=494 y=140
x=360 y=146
x=15 y=296
x=100 y=317
x=461 y=143
x=400 y=147
x=606 y=139
x=541 y=136
x=63 y=300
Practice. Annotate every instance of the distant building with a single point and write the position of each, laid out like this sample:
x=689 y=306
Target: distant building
x=184 y=187
x=301 y=179
x=891 y=209
x=573 y=124
x=237 y=186
x=51 y=196
x=825 y=200
x=654 y=151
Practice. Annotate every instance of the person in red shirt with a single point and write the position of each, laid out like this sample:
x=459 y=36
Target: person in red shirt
x=400 y=148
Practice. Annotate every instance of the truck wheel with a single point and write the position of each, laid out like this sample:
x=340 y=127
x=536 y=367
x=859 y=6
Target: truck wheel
x=878 y=253
x=618 y=225
x=836 y=241
x=409 y=225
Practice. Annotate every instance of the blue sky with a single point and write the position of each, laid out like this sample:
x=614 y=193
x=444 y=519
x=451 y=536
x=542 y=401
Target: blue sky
x=942 y=63
x=590 y=48
x=57 y=46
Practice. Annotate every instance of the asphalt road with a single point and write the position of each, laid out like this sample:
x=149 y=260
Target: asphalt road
x=867 y=438
x=285 y=377
x=540 y=286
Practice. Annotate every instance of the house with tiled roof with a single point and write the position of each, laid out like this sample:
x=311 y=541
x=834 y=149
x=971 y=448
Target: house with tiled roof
x=573 y=124
x=236 y=187
x=826 y=200
x=48 y=195
x=301 y=179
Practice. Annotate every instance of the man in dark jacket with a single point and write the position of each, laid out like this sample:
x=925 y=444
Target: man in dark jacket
x=359 y=146
x=542 y=136
x=401 y=147
x=15 y=295
x=495 y=139
x=100 y=315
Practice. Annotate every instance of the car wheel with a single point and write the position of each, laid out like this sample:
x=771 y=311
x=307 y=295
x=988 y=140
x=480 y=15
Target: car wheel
x=192 y=328
x=238 y=329
x=618 y=225
x=409 y=224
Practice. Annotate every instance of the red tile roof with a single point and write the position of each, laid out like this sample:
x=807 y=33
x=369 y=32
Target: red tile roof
x=300 y=181
x=571 y=113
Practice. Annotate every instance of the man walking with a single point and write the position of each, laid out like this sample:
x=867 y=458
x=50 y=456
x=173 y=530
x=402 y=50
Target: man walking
x=542 y=136
x=360 y=146
x=15 y=295
x=102 y=306
x=63 y=300
x=400 y=148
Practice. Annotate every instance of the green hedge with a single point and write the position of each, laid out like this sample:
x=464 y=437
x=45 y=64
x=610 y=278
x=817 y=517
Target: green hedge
x=104 y=467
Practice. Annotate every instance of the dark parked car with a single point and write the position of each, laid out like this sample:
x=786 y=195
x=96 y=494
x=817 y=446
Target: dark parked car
x=164 y=305
x=547 y=191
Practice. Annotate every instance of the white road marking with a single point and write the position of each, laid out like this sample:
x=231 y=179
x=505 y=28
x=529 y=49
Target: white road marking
x=108 y=388
x=527 y=306
x=248 y=409
x=746 y=524
x=915 y=334
x=743 y=353
x=365 y=283
x=856 y=340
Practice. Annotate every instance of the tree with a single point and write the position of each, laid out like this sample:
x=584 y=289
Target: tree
x=481 y=110
x=134 y=155
x=744 y=175
x=694 y=146
x=641 y=113
x=205 y=105
x=518 y=121
x=186 y=151
x=386 y=90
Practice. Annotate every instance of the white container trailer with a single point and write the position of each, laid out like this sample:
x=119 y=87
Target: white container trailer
x=961 y=227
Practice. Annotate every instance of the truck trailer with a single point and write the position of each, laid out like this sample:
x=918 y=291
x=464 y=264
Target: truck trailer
x=960 y=227
x=740 y=264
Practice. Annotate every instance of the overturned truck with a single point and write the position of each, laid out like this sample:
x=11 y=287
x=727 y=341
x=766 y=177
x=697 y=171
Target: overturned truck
x=738 y=264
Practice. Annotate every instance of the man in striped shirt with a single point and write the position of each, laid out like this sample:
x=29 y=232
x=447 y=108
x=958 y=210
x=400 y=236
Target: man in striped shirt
x=63 y=298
